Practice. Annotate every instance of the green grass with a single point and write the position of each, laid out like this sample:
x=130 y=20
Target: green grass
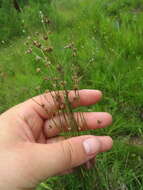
x=108 y=35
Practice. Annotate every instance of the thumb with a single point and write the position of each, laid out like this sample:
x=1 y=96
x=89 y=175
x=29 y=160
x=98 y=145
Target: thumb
x=51 y=159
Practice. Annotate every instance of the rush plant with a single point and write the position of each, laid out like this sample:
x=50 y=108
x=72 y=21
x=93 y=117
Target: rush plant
x=58 y=79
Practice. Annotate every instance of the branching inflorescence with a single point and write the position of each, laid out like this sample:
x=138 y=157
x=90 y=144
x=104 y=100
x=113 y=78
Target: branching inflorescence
x=59 y=78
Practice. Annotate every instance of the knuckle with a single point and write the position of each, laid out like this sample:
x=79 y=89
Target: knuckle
x=68 y=152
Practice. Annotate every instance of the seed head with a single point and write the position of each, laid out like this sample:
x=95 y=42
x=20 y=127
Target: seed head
x=38 y=70
x=38 y=58
x=47 y=21
x=45 y=37
x=50 y=126
x=59 y=68
x=3 y=42
x=29 y=38
x=99 y=122
x=63 y=83
x=74 y=54
x=54 y=85
x=75 y=49
x=76 y=99
x=47 y=91
x=48 y=49
x=70 y=45
x=37 y=44
x=62 y=106
x=29 y=51
x=69 y=128
x=48 y=63
x=58 y=98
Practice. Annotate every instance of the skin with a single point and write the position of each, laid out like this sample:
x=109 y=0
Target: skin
x=31 y=151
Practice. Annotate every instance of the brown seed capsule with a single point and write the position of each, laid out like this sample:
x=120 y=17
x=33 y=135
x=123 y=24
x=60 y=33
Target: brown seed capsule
x=29 y=51
x=57 y=97
x=43 y=106
x=48 y=50
x=38 y=58
x=34 y=43
x=74 y=54
x=62 y=106
x=50 y=127
x=37 y=44
x=29 y=38
x=3 y=42
x=63 y=83
x=99 y=122
x=76 y=98
x=45 y=37
x=54 y=85
x=69 y=128
x=38 y=70
x=69 y=45
x=66 y=47
x=47 y=21
x=59 y=68
x=75 y=49
x=47 y=91
x=48 y=63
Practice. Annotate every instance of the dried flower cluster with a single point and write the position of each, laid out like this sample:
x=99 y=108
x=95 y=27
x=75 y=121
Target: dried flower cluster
x=53 y=75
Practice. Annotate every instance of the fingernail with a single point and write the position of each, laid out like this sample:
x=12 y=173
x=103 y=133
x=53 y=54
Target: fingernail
x=91 y=146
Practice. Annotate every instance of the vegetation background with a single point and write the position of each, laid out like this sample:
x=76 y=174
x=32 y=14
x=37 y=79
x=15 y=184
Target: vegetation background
x=109 y=38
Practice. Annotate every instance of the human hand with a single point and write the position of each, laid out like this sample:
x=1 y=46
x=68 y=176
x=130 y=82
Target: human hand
x=28 y=151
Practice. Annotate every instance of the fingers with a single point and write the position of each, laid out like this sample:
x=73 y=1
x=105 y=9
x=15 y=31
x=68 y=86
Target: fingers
x=52 y=159
x=86 y=121
x=48 y=103
x=86 y=97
